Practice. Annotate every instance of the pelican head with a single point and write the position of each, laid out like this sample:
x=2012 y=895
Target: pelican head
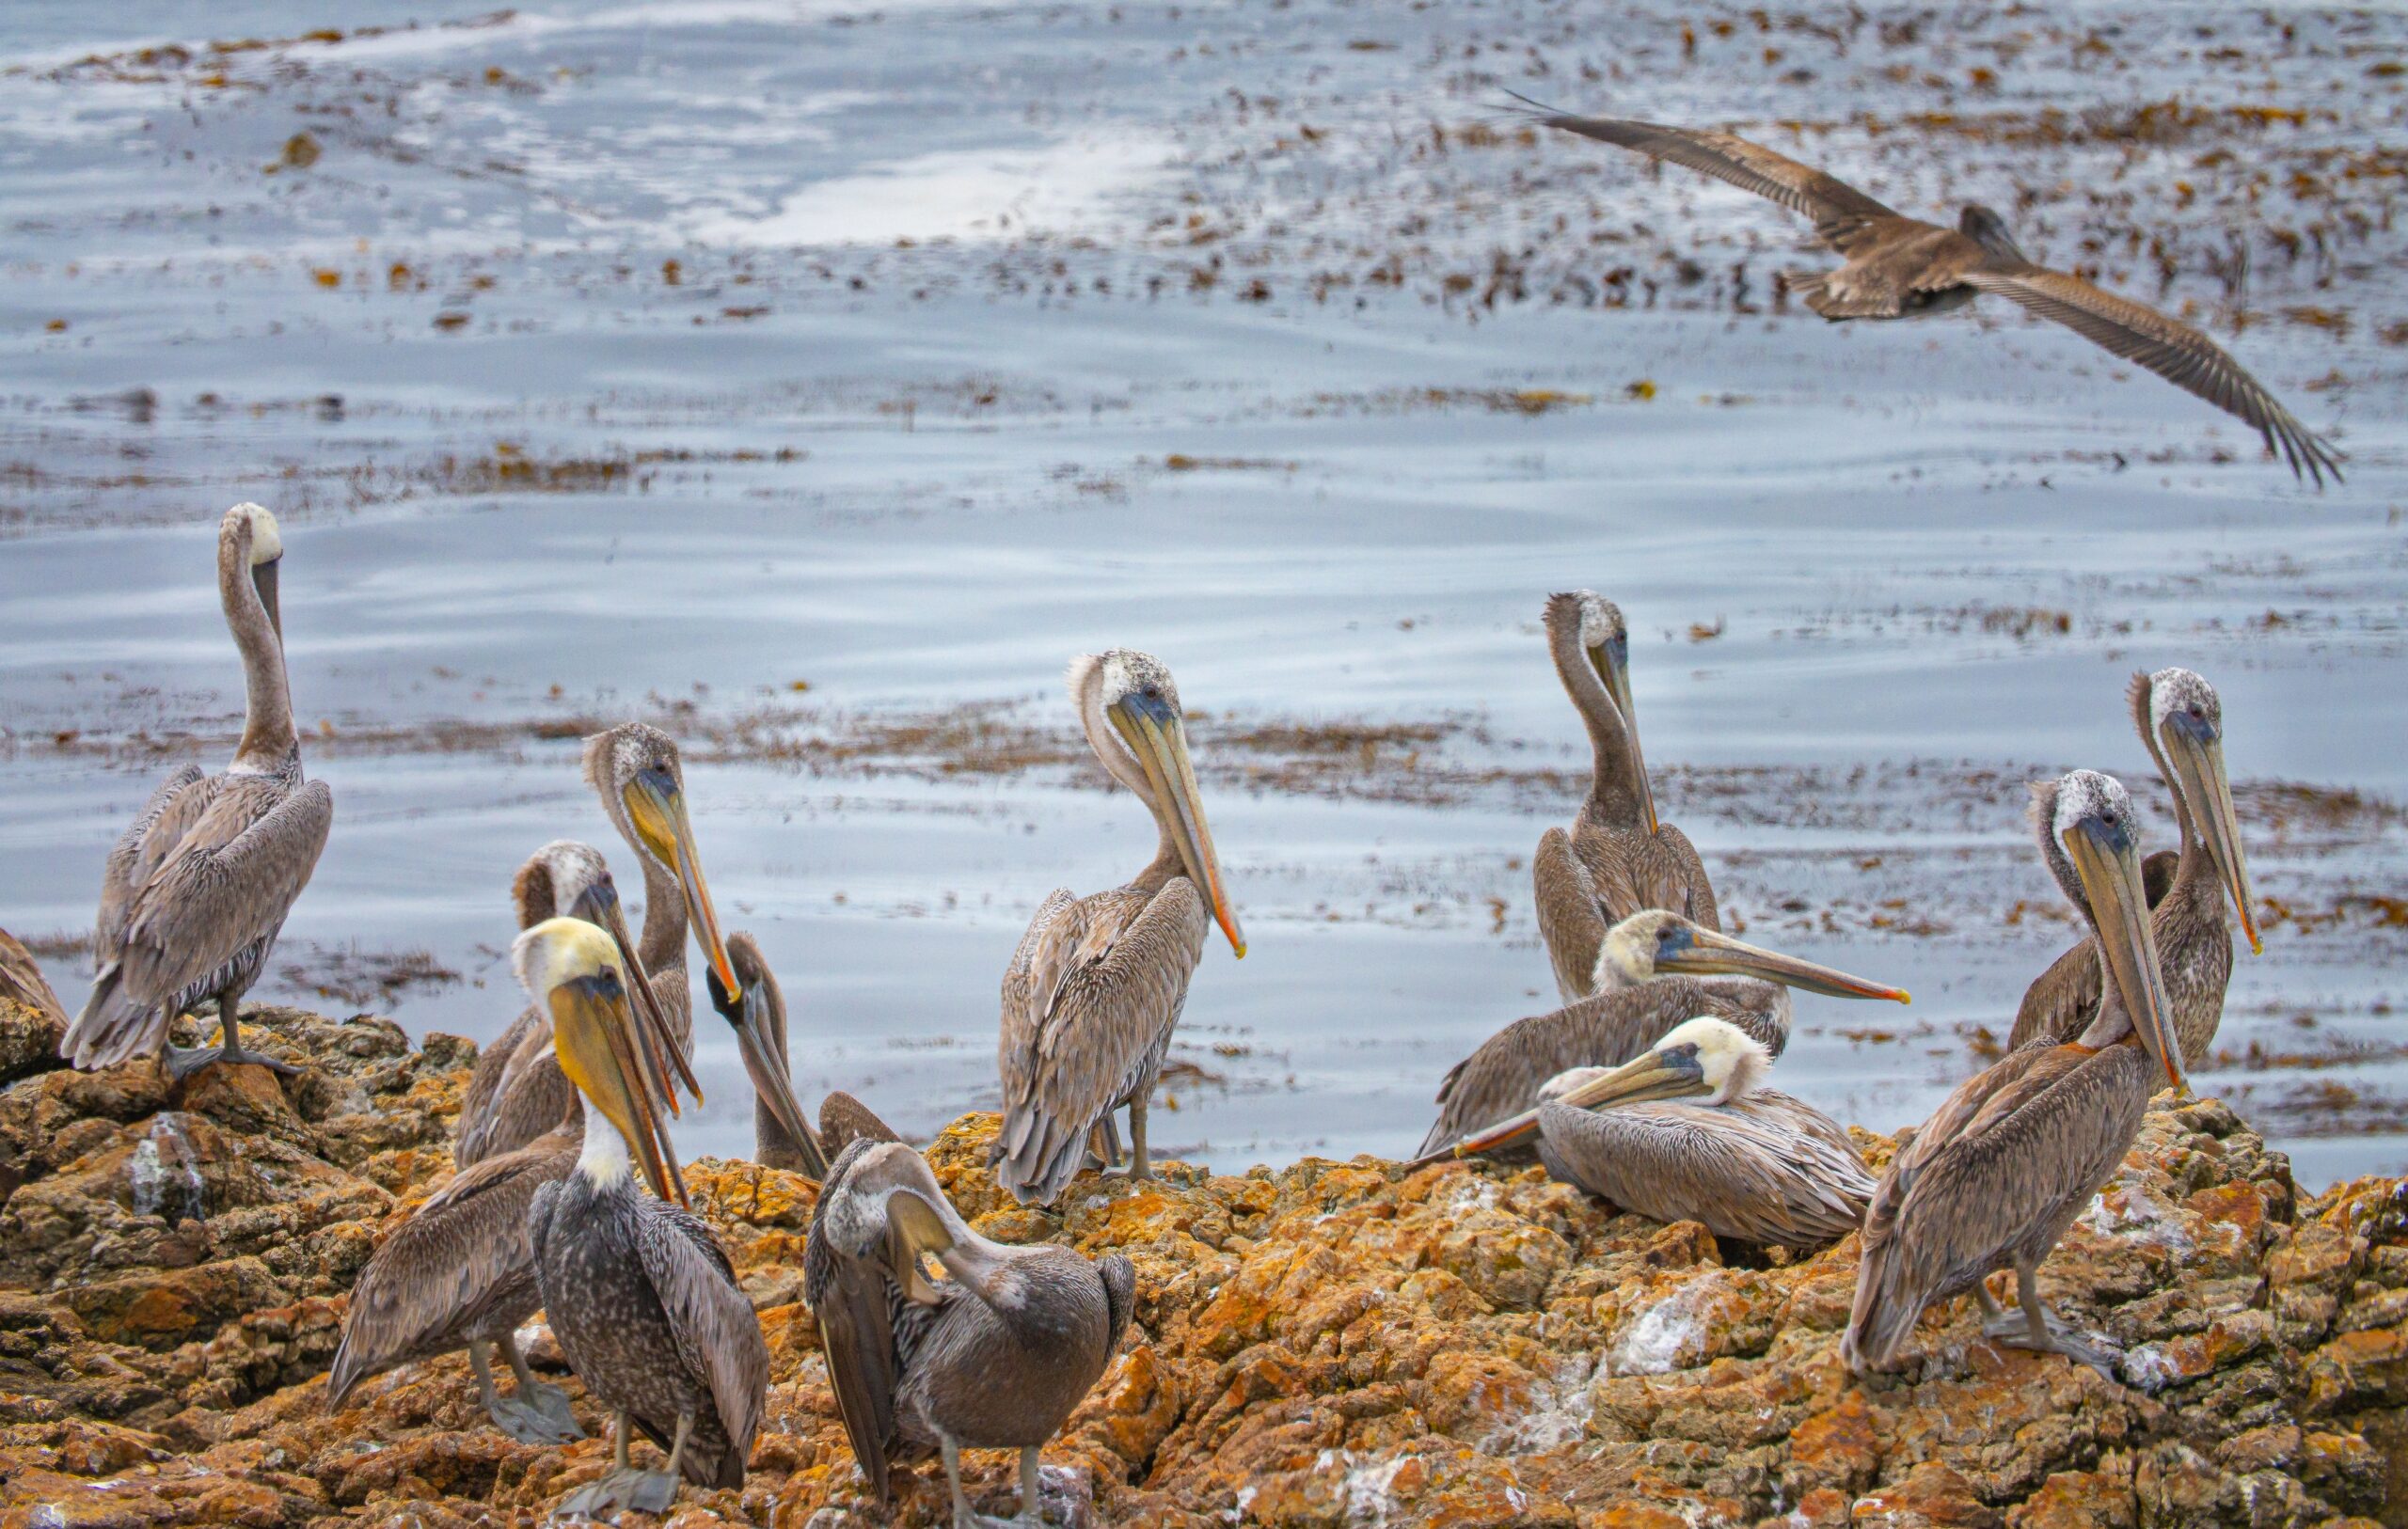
x=642 y=785
x=758 y=1015
x=2088 y=835
x=571 y=969
x=1135 y=692
x=2182 y=719
x=251 y=523
x=1596 y=623
x=1658 y=943
x=1705 y=1058
x=1987 y=229
x=569 y=879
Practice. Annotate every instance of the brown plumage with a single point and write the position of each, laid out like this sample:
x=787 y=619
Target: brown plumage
x=1618 y=860
x=1902 y=267
x=1998 y=1172
x=996 y=1357
x=515 y=1092
x=194 y=894
x=1095 y=989
x=20 y=980
x=2181 y=721
x=1655 y=971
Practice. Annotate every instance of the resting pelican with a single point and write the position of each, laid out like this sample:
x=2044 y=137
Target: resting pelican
x=194 y=895
x=1095 y=989
x=781 y=1138
x=636 y=771
x=1656 y=970
x=994 y=1358
x=1998 y=1172
x=2181 y=725
x=1618 y=859
x=639 y=1294
x=1688 y=1131
x=1899 y=267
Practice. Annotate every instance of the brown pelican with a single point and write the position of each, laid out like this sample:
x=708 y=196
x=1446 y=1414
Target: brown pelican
x=2181 y=725
x=780 y=1139
x=1618 y=859
x=1998 y=1172
x=994 y=1358
x=1096 y=986
x=1656 y=970
x=194 y=894
x=639 y=1293
x=636 y=771
x=1899 y=267
x=1688 y=1131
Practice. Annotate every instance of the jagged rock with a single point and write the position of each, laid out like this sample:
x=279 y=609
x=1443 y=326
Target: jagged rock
x=1329 y=1344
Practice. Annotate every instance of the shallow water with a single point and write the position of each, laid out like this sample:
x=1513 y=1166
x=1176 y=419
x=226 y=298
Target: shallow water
x=1877 y=576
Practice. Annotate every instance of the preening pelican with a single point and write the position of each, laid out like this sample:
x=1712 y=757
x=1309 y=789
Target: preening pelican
x=994 y=1358
x=636 y=771
x=1688 y=1131
x=782 y=1138
x=1096 y=987
x=1654 y=971
x=639 y=1294
x=2181 y=721
x=1995 y=1177
x=194 y=894
x=1899 y=267
x=1618 y=860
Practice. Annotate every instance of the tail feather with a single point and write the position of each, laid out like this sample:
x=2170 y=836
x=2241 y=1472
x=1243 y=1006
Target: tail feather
x=111 y=1026
x=1883 y=1316
x=1043 y=1165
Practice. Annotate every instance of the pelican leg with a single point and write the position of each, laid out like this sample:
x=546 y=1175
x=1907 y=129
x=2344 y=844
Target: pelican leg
x=962 y=1517
x=2045 y=1332
x=1998 y=1322
x=180 y=1063
x=647 y=1491
x=1032 y=1506
x=539 y=1415
x=1140 y=1166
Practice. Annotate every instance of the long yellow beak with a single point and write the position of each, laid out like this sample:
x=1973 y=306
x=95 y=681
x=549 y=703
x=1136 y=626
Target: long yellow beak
x=656 y=806
x=1705 y=952
x=600 y=906
x=593 y=1036
x=1611 y=661
x=1158 y=738
x=2197 y=752
x=2106 y=860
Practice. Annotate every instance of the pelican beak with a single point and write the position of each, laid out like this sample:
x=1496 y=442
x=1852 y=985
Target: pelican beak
x=751 y=1019
x=656 y=806
x=1611 y=659
x=1690 y=948
x=593 y=1038
x=264 y=581
x=914 y=1227
x=2105 y=859
x=2196 y=751
x=1651 y=1075
x=599 y=905
x=1156 y=735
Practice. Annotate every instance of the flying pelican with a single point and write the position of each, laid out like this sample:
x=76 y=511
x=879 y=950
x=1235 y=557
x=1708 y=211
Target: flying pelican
x=637 y=772
x=194 y=894
x=639 y=1293
x=1095 y=989
x=2181 y=725
x=1654 y=971
x=1688 y=1131
x=1998 y=1172
x=1899 y=267
x=1618 y=859
x=994 y=1358
x=778 y=1139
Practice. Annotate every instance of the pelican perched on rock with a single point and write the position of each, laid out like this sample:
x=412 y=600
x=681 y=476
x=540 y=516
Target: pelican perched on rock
x=1096 y=987
x=2181 y=721
x=995 y=1357
x=636 y=771
x=1999 y=1172
x=639 y=1293
x=194 y=894
x=1654 y=971
x=781 y=1137
x=1899 y=267
x=1688 y=1131
x=1618 y=859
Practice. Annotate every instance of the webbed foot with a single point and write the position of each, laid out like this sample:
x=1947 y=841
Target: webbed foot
x=645 y=1491
x=183 y=1063
x=543 y=1419
x=2095 y=1349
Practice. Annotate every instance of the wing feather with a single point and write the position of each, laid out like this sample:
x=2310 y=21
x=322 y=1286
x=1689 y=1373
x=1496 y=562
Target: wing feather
x=1835 y=205
x=1572 y=920
x=155 y=832
x=719 y=1336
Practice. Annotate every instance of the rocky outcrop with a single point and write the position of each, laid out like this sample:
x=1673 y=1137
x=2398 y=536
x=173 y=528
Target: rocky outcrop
x=1329 y=1344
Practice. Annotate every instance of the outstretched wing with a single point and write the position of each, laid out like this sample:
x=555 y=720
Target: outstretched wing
x=1835 y=205
x=2175 y=351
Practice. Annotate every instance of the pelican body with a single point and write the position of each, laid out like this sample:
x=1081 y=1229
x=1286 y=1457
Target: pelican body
x=995 y=1357
x=1654 y=971
x=639 y=1293
x=1096 y=987
x=1618 y=860
x=2181 y=721
x=1688 y=1131
x=1898 y=267
x=1994 y=1177
x=196 y=891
